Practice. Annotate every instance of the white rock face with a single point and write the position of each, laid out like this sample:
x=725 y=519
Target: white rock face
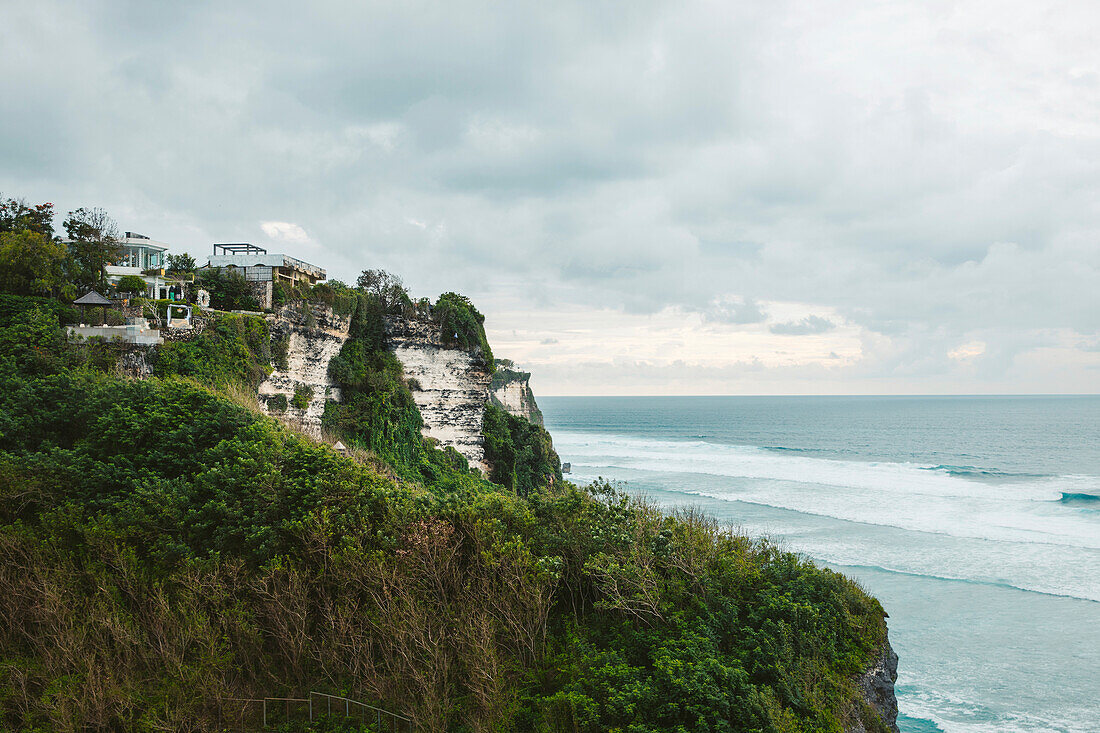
x=453 y=384
x=511 y=389
x=454 y=387
x=315 y=336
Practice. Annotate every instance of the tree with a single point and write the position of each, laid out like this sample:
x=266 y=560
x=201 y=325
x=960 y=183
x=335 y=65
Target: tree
x=228 y=289
x=93 y=245
x=181 y=263
x=16 y=216
x=386 y=287
x=131 y=284
x=32 y=264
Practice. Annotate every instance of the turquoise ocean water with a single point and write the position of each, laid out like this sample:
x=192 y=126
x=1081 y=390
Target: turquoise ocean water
x=975 y=520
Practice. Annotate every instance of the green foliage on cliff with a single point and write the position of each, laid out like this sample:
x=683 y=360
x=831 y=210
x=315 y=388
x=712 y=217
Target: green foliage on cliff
x=462 y=325
x=521 y=453
x=164 y=549
x=377 y=412
x=232 y=349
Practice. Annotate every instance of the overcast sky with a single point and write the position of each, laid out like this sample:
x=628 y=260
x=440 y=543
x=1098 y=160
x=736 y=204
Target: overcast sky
x=643 y=198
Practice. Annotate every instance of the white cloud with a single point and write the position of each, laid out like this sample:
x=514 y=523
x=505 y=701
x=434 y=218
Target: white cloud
x=967 y=351
x=286 y=231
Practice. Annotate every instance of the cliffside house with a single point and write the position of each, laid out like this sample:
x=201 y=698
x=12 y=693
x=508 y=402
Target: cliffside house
x=264 y=269
x=139 y=255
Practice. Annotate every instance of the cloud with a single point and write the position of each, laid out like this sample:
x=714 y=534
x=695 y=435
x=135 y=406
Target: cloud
x=743 y=311
x=672 y=165
x=967 y=352
x=808 y=325
x=286 y=231
x=548 y=341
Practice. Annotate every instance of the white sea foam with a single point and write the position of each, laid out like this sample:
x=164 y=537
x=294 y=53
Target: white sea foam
x=904 y=495
x=1013 y=533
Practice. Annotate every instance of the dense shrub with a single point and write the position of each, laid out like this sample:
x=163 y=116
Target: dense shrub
x=233 y=348
x=520 y=453
x=15 y=308
x=131 y=284
x=462 y=325
x=164 y=550
x=228 y=289
x=303 y=393
x=280 y=350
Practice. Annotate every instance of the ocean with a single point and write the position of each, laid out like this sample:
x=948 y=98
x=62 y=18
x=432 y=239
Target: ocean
x=975 y=520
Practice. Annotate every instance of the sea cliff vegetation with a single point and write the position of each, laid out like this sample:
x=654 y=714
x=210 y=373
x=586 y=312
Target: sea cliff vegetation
x=165 y=547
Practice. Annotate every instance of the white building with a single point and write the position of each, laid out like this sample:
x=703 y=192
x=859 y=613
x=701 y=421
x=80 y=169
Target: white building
x=139 y=255
x=264 y=269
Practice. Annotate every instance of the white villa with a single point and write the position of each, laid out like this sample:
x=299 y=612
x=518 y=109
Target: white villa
x=139 y=255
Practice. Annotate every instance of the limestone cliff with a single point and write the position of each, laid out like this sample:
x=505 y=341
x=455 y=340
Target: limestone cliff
x=309 y=335
x=450 y=386
x=877 y=686
x=510 y=389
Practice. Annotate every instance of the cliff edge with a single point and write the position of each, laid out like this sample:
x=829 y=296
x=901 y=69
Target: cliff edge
x=510 y=389
x=877 y=687
x=449 y=385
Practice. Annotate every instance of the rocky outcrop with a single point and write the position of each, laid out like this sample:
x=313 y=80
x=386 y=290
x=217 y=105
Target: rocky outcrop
x=310 y=335
x=450 y=386
x=877 y=686
x=510 y=389
x=136 y=361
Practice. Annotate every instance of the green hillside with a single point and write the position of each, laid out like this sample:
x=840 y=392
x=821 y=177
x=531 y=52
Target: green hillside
x=164 y=548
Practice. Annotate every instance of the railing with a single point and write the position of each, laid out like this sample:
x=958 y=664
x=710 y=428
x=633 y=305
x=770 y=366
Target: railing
x=362 y=711
x=267 y=711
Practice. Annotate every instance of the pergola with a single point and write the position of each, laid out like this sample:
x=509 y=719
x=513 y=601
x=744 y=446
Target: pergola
x=92 y=298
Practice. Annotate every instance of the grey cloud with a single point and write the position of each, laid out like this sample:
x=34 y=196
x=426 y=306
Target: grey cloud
x=808 y=325
x=741 y=312
x=664 y=157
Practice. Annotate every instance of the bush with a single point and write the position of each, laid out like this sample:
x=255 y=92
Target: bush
x=15 y=308
x=131 y=284
x=228 y=289
x=303 y=393
x=232 y=349
x=277 y=403
x=280 y=349
x=461 y=325
x=521 y=454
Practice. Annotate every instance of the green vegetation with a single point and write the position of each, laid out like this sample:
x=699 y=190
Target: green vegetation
x=131 y=284
x=521 y=453
x=377 y=412
x=462 y=325
x=164 y=547
x=228 y=290
x=303 y=393
x=280 y=350
x=181 y=264
x=233 y=349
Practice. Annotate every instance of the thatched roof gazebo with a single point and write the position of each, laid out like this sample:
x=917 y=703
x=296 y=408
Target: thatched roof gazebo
x=92 y=298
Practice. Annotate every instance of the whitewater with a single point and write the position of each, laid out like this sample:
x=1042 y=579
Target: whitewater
x=975 y=520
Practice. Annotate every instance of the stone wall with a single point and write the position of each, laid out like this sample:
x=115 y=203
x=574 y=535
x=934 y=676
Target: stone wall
x=450 y=386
